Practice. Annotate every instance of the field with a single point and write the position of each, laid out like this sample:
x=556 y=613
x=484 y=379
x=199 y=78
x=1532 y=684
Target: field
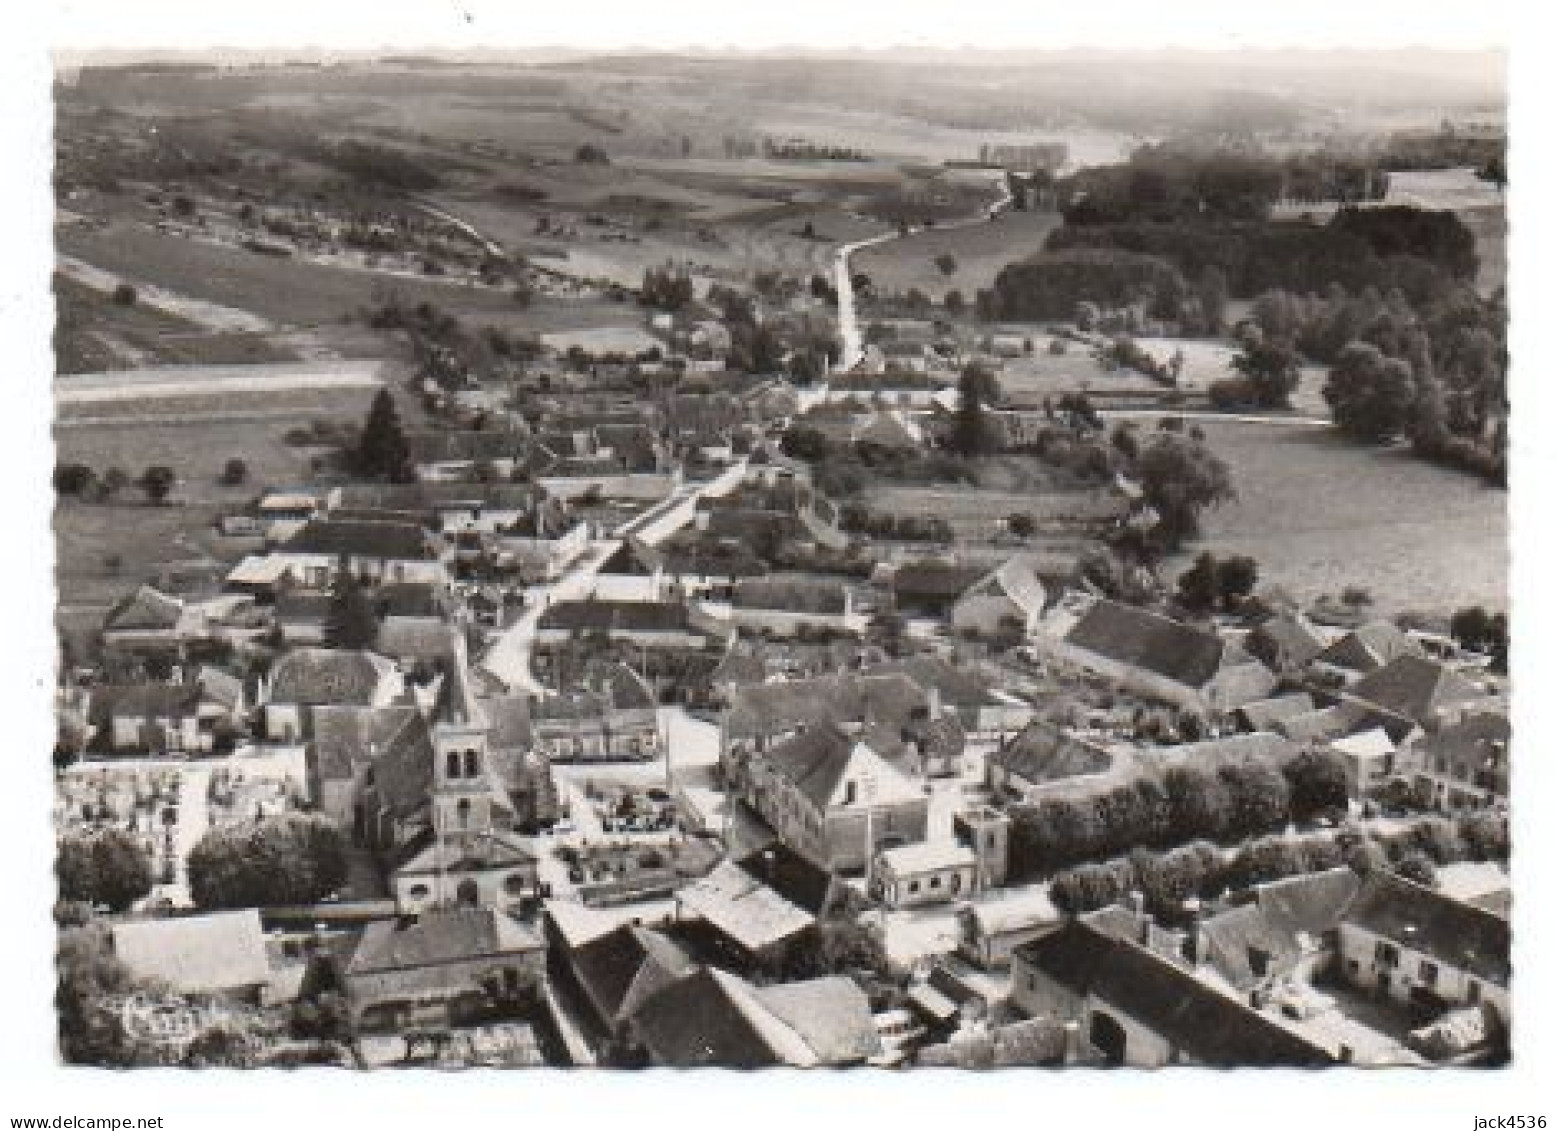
x=1319 y=514
x=980 y=250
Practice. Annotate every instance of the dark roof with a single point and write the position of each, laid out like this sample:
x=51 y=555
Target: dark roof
x=633 y=557
x=770 y=708
x=410 y=599
x=808 y=886
x=1371 y=646
x=610 y=967
x=345 y=738
x=798 y=593
x=465 y=447
x=323 y=676
x=403 y=769
x=508 y=717
x=1460 y=935
x=402 y=541
x=958 y=685
x=144 y=701
x=1311 y=904
x=933 y=579
x=441 y=936
x=604 y=686
x=431 y=496
x=697 y=1022
x=814 y=761
x=619 y=616
x=144 y=609
x=1284 y=640
x=1147 y=640
x=1414 y=687
x=1043 y=752
x=302 y=606
x=1198 y=1020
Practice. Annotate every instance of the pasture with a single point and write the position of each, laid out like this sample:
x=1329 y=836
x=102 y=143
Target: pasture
x=1320 y=513
x=980 y=250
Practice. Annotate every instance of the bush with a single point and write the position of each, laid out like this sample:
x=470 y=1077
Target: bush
x=235 y=472
x=125 y=295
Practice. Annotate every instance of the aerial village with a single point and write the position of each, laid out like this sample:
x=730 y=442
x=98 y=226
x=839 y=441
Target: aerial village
x=585 y=711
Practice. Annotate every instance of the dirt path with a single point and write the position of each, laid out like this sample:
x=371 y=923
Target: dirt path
x=220 y=319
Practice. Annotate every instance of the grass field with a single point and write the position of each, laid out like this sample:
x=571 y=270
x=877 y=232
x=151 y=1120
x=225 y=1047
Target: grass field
x=1319 y=514
x=980 y=250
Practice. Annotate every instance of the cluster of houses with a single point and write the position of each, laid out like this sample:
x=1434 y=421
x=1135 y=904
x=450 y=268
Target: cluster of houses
x=553 y=586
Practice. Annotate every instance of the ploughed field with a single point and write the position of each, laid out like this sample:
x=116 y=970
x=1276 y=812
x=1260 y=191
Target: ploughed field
x=1320 y=513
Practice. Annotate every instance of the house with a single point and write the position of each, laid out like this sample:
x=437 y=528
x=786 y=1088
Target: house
x=345 y=743
x=148 y=620
x=1415 y=688
x=440 y=969
x=151 y=717
x=374 y=550
x=815 y=890
x=1363 y=649
x=762 y=715
x=1369 y=756
x=786 y=605
x=1258 y=945
x=1462 y=766
x=913 y=875
x=1042 y=755
x=930 y=587
x=989 y=931
x=986 y=712
x=1269 y=714
x=609 y=714
x=1160 y=658
x=1007 y=599
x=218 y=953
x=1419 y=947
x=1135 y=1007
x=451 y=456
x=643 y=624
x=1021 y=1044
x=830 y=797
x=715 y=1019
x=745 y=912
x=620 y=969
x=307 y=678
x=1286 y=643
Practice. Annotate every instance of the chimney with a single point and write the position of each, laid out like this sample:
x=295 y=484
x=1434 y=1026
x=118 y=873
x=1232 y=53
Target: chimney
x=1073 y=1042
x=1136 y=900
x=1194 y=911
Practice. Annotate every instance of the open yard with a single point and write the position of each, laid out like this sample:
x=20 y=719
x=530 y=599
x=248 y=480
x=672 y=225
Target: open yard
x=1320 y=513
x=980 y=250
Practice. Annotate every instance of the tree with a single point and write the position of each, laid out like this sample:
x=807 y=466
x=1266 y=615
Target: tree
x=1259 y=798
x=349 y=622
x=156 y=481
x=73 y=479
x=1199 y=804
x=115 y=480
x=1180 y=477
x=1236 y=578
x=1268 y=858
x=235 y=472
x=1471 y=628
x=1211 y=289
x=1318 y=783
x=954 y=302
x=1371 y=396
x=1417 y=867
x=1199 y=585
x=295 y=858
x=88 y=977
x=1271 y=367
x=1022 y=525
x=946 y=263
x=108 y=868
x=972 y=432
x=382 y=448
x=125 y=295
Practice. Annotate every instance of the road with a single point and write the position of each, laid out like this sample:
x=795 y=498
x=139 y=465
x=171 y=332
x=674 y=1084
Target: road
x=848 y=320
x=508 y=660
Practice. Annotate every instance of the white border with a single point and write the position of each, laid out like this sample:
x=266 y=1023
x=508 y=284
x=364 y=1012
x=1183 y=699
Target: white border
x=33 y=1085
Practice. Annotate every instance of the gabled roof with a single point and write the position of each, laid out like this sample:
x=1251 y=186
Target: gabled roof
x=770 y=708
x=935 y=579
x=745 y=910
x=345 y=738
x=1371 y=646
x=1284 y=639
x=1310 y=904
x=362 y=538
x=318 y=677
x=1459 y=935
x=815 y=761
x=1016 y=580
x=224 y=950
x=958 y=685
x=1044 y=753
x=493 y=851
x=1414 y=687
x=415 y=638
x=796 y=593
x=617 y=616
x=624 y=967
x=1199 y=1021
x=403 y=770
x=1262 y=714
x=808 y=886
x=1142 y=639
x=442 y=936
x=712 y=1019
x=1232 y=938
x=831 y=1015
x=144 y=701
x=302 y=606
x=146 y=609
